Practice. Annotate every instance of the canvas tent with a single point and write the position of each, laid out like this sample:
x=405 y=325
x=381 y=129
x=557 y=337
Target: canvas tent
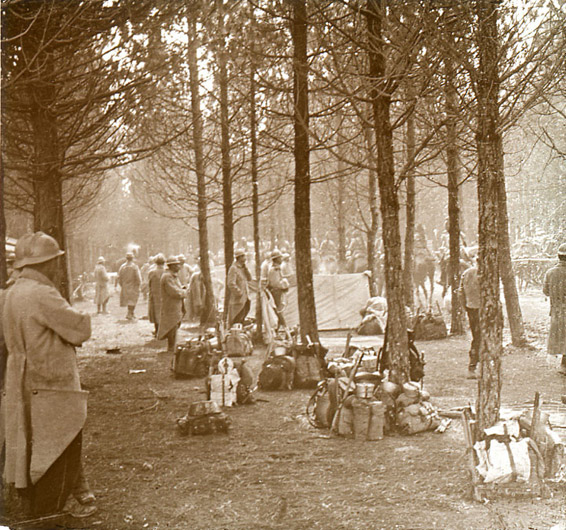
x=339 y=298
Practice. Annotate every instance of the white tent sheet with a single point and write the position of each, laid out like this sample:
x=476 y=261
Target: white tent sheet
x=339 y=298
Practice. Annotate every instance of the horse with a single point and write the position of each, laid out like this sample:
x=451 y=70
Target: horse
x=425 y=268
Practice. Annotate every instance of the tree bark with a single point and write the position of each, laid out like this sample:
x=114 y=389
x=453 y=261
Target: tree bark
x=373 y=259
x=488 y=142
x=389 y=201
x=209 y=316
x=512 y=305
x=410 y=207
x=305 y=288
x=3 y=234
x=46 y=168
x=227 y=206
x=255 y=197
x=452 y=170
x=341 y=215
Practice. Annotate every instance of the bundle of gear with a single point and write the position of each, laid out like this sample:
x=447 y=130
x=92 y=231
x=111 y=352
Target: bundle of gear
x=231 y=383
x=292 y=365
x=193 y=357
x=364 y=404
x=203 y=417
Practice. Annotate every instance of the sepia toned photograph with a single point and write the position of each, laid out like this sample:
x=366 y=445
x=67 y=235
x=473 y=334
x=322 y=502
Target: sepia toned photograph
x=283 y=264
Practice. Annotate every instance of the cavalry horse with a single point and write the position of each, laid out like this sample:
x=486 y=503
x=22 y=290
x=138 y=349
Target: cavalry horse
x=425 y=268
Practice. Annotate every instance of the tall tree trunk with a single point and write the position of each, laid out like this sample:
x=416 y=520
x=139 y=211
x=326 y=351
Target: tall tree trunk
x=489 y=166
x=373 y=261
x=514 y=314
x=305 y=288
x=389 y=201
x=47 y=185
x=227 y=206
x=3 y=269
x=209 y=312
x=456 y=318
x=341 y=214
x=255 y=196
x=410 y=211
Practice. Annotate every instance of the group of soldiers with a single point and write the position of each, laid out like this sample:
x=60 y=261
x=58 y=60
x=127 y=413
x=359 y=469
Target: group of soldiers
x=174 y=290
x=166 y=283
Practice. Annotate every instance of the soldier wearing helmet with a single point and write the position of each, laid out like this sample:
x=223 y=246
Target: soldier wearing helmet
x=238 y=293
x=101 y=279
x=41 y=332
x=555 y=288
x=129 y=278
x=154 y=285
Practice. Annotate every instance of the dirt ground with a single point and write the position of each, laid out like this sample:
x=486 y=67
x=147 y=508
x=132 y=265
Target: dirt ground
x=273 y=470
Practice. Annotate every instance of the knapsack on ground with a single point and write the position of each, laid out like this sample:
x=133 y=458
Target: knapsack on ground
x=277 y=373
x=430 y=326
x=371 y=324
x=416 y=359
x=192 y=358
x=310 y=364
x=237 y=342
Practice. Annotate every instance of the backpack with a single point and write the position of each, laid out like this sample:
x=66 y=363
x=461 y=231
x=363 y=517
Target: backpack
x=429 y=326
x=310 y=364
x=370 y=325
x=277 y=373
x=237 y=342
x=192 y=358
x=244 y=390
x=416 y=359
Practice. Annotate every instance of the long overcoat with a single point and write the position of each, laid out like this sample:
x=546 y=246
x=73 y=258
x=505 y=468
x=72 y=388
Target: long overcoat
x=238 y=293
x=42 y=392
x=101 y=280
x=129 y=279
x=172 y=307
x=555 y=288
x=154 y=301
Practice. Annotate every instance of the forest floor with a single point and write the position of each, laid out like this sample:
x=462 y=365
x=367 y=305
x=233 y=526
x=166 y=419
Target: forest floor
x=273 y=470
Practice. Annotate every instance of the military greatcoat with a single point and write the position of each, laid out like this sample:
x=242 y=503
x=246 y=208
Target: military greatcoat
x=555 y=288
x=42 y=392
x=129 y=278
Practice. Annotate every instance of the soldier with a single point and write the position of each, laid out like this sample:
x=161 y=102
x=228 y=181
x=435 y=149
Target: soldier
x=238 y=294
x=555 y=288
x=154 y=284
x=41 y=333
x=101 y=279
x=129 y=278
x=172 y=306
x=470 y=292
x=278 y=285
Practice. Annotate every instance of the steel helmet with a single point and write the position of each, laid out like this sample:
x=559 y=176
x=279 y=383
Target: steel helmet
x=173 y=260
x=562 y=250
x=32 y=249
x=100 y=260
x=276 y=254
x=159 y=259
x=239 y=252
